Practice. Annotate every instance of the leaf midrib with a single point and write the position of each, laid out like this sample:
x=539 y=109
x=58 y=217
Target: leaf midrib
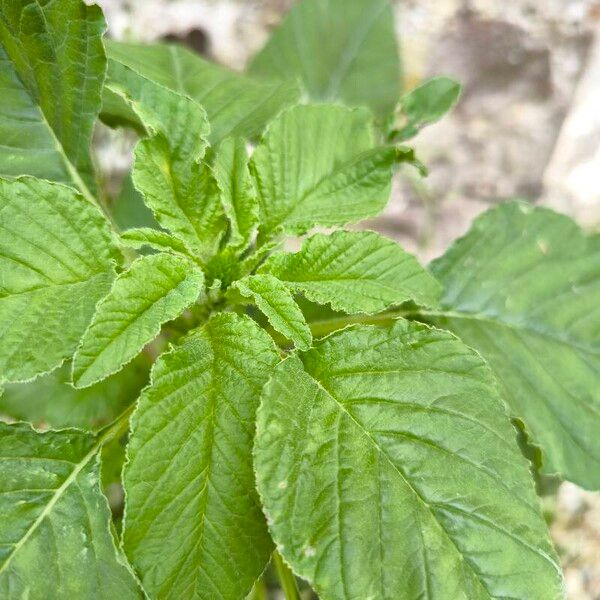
x=52 y=502
x=418 y=495
x=72 y=172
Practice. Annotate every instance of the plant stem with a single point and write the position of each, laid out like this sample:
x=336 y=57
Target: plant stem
x=286 y=578
x=259 y=591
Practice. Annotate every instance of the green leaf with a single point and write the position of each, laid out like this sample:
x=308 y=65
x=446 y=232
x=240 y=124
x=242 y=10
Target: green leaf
x=236 y=105
x=278 y=305
x=354 y=272
x=523 y=288
x=55 y=540
x=162 y=241
x=155 y=289
x=339 y=50
x=388 y=468
x=128 y=209
x=317 y=165
x=237 y=194
x=51 y=78
x=193 y=525
x=178 y=187
x=425 y=105
x=56 y=261
x=52 y=401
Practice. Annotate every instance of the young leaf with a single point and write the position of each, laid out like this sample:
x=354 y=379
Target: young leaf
x=51 y=78
x=55 y=540
x=161 y=241
x=339 y=50
x=317 y=165
x=236 y=105
x=388 y=468
x=426 y=104
x=56 y=259
x=278 y=305
x=178 y=187
x=155 y=289
x=51 y=400
x=523 y=288
x=354 y=272
x=237 y=194
x=193 y=525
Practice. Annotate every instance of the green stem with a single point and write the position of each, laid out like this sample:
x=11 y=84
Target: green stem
x=259 y=591
x=116 y=428
x=286 y=578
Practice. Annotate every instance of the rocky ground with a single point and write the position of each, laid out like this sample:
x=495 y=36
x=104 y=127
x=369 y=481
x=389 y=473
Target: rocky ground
x=528 y=126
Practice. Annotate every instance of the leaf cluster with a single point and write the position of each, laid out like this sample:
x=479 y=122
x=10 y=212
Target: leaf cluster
x=341 y=405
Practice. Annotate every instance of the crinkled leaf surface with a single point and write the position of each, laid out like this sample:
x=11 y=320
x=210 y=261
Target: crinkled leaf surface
x=426 y=104
x=52 y=401
x=163 y=241
x=155 y=289
x=51 y=79
x=316 y=164
x=278 y=305
x=193 y=525
x=339 y=50
x=523 y=288
x=56 y=259
x=354 y=272
x=55 y=540
x=236 y=105
x=178 y=187
x=237 y=193
x=388 y=468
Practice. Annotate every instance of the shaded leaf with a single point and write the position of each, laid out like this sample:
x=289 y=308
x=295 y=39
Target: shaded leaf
x=236 y=105
x=388 y=468
x=52 y=401
x=339 y=50
x=193 y=525
x=56 y=258
x=523 y=288
x=354 y=272
x=155 y=289
x=55 y=540
x=51 y=79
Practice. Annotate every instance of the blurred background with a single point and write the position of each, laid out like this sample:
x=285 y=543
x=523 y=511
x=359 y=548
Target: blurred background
x=527 y=126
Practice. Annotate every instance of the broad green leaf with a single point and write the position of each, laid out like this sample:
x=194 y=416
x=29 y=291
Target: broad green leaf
x=236 y=105
x=237 y=194
x=52 y=68
x=354 y=272
x=162 y=241
x=317 y=165
x=339 y=50
x=56 y=261
x=193 y=525
x=178 y=187
x=388 y=468
x=278 y=305
x=523 y=288
x=426 y=104
x=155 y=289
x=55 y=540
x=52 y=401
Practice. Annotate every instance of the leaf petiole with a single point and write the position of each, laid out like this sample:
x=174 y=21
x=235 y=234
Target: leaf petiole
x=286 y=578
